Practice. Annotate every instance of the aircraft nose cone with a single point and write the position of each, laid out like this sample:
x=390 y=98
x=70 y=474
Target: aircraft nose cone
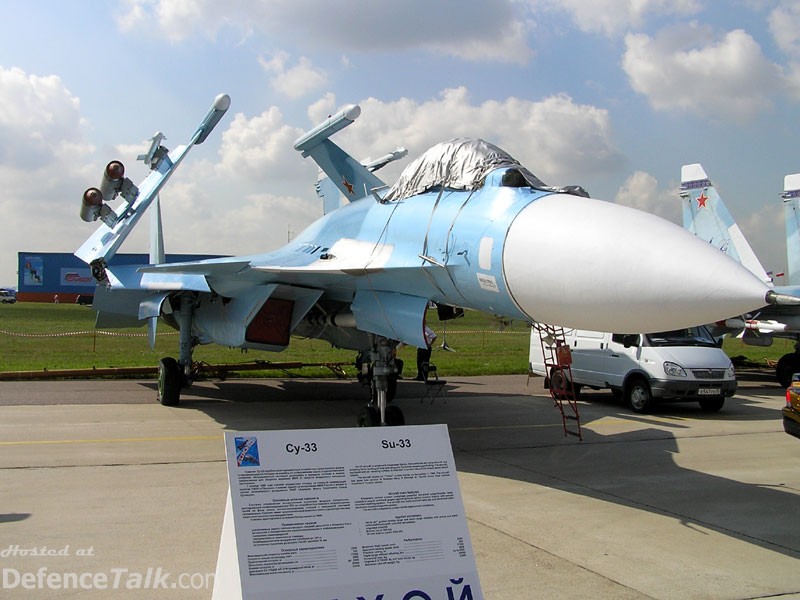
x=596 y=265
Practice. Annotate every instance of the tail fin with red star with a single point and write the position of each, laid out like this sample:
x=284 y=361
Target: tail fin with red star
x=352 y=179
x=706 y=216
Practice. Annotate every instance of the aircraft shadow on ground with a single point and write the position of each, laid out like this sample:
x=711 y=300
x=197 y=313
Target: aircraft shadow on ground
x=520 y=438
x=640 y=472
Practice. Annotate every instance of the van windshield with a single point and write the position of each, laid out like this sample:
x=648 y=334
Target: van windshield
x=689 y=336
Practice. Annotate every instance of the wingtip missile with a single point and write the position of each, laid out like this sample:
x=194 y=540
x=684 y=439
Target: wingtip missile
x=327 y=128
x=384 y=160
x=218 y=109
x=774 y=297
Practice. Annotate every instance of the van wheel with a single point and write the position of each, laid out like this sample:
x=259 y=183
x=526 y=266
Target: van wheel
x=712 y=404
x=638 y=396
x=561 y=387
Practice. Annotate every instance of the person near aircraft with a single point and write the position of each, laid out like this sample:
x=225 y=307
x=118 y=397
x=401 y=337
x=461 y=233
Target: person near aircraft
x=424 y=354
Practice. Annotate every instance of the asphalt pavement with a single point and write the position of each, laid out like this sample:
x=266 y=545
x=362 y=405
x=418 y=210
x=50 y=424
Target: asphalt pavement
x=97 y=478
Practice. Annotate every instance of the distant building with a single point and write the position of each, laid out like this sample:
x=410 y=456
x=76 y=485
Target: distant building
x=44 y=275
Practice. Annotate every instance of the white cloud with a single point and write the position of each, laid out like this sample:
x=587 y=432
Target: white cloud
x=763 y=228
x=177 y=20
x=43 y=164
x=784 y=24
x=482 y=30
x=261 y=187
x=40 y=121
x=557 y=139
x=203 y=215
x=612 y=17
x=641 y=191
x=259 y=149
x=296 y=81
x=686 y=69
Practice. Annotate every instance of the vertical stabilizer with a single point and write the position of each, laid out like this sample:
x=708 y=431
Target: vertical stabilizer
x=706 y=216
x=791 y=208
x=352 y=178
x=157 y=253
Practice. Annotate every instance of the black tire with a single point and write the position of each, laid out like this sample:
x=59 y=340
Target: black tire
x=638 y=395
x=712 y=404
x=169 y=381
x=369 y=417
x=394 y=416
x=788 y=365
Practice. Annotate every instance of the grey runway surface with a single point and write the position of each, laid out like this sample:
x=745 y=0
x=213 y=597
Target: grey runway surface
x=674 y=504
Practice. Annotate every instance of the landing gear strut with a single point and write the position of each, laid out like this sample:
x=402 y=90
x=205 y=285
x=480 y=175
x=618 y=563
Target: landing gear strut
x=174 y=375
x=382 y=374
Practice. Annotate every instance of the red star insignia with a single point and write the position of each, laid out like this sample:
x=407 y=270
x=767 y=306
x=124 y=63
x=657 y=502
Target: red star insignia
x=348 y=185
x=701 y=200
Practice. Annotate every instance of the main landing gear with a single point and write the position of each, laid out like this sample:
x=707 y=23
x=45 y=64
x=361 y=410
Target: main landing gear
x=379 y=371
x=175 y=375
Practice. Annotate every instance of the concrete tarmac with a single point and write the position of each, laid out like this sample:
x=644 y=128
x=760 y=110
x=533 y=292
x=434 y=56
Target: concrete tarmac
x=97 y=478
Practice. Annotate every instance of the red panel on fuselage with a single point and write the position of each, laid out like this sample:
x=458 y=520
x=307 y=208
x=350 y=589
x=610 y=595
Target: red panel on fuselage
x=271 y=324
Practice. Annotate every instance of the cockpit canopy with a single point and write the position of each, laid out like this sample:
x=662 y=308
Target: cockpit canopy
x=462 y=164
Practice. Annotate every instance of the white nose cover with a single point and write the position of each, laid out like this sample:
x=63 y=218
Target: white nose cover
x=590 y=264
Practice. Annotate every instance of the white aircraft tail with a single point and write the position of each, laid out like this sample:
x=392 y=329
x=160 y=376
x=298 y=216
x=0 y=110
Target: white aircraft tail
x=706 y=216
x=353 y=179
x=791 y=204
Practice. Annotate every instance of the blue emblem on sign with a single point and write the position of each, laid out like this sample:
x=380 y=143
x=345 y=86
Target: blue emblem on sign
x=246 y=452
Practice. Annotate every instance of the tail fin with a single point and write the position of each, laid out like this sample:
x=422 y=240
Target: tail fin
x=352 y=178
x=791 y=203
x=329 y=192
x=706 y=216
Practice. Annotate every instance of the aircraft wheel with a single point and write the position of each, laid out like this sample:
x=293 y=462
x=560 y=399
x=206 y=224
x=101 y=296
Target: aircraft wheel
x=638 y=395
x=369 y=417
x=712 y=404
x=169 y=381
x=394 y=416
x=788 y=365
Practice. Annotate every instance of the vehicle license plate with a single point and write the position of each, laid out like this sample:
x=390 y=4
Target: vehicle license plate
x=708 y=392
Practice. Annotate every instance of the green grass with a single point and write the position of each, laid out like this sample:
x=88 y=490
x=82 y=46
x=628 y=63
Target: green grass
x=30 y=340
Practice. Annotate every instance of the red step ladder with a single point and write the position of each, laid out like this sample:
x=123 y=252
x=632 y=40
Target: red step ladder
x=558 y=366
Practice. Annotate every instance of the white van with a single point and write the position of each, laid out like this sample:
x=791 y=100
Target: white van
x=684 y=365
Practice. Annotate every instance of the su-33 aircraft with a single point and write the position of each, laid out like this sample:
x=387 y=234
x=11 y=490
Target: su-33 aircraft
x=465 y=225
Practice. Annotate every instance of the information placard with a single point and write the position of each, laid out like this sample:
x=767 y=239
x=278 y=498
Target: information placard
x=343 y=514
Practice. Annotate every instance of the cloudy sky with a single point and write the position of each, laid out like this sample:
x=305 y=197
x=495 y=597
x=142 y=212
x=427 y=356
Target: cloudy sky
x=614 y=95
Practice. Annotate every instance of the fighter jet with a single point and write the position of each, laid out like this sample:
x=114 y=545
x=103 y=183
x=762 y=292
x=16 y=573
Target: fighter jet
x=465 y=225
x=705 y=215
